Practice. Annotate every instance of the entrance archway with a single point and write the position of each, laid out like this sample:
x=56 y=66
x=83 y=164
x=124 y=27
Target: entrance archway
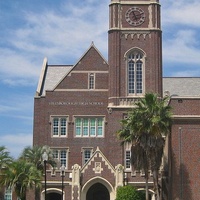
x=53 y=196
x=97 y=192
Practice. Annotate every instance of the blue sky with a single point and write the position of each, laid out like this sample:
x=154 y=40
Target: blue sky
x=62 y=30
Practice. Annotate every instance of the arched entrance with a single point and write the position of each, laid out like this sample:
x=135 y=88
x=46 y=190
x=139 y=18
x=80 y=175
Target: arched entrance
x=98 y=192
x=53 y=196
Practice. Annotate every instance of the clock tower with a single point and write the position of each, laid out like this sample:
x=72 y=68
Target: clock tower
x=135 y=50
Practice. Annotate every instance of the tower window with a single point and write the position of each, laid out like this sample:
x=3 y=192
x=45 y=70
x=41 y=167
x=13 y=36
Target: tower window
x=135 y=73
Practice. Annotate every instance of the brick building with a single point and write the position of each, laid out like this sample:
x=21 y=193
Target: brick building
x=78 y=108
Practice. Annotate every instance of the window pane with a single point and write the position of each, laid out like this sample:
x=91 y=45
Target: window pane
x=139 y=77
x=63 y=126
x=89 y=127
x=134 y=75
x=131 y=77
x=85 y=127
x=55 y=126
x=87 y=155
x=100 y=127
x=78 y=126
x=63 y=156
x=92 y=127
x=128 y=160
x=91 y=81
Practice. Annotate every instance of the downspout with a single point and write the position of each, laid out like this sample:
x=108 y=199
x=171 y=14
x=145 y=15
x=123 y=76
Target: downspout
x=180 y=163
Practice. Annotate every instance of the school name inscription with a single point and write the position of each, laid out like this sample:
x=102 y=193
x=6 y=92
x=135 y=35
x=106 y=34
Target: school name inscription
x=64 y=103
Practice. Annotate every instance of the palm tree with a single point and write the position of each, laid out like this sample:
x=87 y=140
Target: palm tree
x=34 y=155
x=146 y=125
x=5 y=158
x=5 y=161
x=21 y=176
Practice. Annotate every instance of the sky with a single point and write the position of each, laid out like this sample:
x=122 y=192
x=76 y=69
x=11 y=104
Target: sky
x=62 y=31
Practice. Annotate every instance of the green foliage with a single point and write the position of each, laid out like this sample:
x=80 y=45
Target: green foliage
x=21 y=176
x=144 y=128
x=34 y=155
x=129 y=193
x=5 y=158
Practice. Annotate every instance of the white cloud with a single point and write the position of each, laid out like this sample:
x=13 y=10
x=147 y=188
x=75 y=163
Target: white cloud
x=181 y=48
x=62 y=37
x=16 y=143
x=16 y=103
x=181 y=12
x=185 y=73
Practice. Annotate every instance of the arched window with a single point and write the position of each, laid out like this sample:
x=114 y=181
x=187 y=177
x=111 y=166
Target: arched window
x=135 y=73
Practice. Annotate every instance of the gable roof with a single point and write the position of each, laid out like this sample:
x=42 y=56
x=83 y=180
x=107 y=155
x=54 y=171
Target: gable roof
x=74 y=66
x=102 y=157
x=182 y=86
x=50 y=75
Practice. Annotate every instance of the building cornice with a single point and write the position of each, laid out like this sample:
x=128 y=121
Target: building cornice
x=135 y=2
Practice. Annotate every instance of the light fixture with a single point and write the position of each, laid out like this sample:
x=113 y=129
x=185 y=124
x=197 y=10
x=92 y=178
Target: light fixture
x=62 y=175
x=45 y=159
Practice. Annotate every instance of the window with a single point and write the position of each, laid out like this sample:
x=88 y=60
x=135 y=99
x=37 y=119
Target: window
x=128 y=159
x=89 y=127
x=127 y=156
x=135 y=73
x=8 y=194
x=59 y=126
x=61 y=156
x=87 y=153
x=91 y=81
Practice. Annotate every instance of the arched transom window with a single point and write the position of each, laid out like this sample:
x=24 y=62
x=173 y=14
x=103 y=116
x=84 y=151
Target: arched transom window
x=135 y=73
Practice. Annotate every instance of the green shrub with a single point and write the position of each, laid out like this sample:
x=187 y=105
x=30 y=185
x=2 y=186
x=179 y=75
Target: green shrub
x=129 y=193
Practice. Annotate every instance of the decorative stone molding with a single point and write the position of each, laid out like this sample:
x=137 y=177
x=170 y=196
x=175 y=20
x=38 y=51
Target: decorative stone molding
x=97 y=169
x=136 y=35
x=119 y=175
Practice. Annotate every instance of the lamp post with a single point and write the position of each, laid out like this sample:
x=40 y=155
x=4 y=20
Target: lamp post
x=62 y=175
x=45 y=158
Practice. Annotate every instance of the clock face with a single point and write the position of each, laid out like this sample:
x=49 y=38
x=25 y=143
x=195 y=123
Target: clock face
x=135 y=16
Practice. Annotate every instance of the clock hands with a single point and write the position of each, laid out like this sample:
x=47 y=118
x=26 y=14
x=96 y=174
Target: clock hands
x=135 y=16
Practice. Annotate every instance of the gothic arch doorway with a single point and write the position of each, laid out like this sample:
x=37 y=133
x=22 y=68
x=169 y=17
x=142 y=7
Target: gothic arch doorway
x=53 y=196
x=98 y=192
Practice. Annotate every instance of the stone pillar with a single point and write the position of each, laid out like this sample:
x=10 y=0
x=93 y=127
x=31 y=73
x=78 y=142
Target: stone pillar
x=76 y=182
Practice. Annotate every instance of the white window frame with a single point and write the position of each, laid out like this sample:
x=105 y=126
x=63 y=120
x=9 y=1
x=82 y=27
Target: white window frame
x=87 y=129
x=60 y=127
x=91 y=81
x=127 y=149
x=135 y=78
x=57 y=154
x=127 y=160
